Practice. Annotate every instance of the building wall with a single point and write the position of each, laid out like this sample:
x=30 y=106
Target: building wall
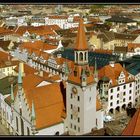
x=52 y=130
x=87 y=109
x=99 y=119
x=137 y=89
x=125 y=96
x=8 y=70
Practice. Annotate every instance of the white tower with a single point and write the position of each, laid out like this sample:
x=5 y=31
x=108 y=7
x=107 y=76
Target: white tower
x=81 y=90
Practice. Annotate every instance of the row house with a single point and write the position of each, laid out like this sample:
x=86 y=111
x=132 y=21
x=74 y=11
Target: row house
x=64 y=22
x=32 y=121
x=109 y=39
x=116 y=87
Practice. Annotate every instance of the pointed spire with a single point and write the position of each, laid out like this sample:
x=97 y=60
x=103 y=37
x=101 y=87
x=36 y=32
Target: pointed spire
x=19 y=75
x=12 y=94
x=81 y=43
x=33 y=111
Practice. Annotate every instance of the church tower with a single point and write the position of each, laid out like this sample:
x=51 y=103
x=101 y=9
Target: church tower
x=81 y=90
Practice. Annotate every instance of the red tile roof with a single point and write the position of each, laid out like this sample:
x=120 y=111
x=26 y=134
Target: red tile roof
x=40 y=30
x=113 y=73
x=133 y=127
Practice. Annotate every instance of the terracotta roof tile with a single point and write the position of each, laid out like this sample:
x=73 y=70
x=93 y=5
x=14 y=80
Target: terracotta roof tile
x=133 y=127
x=113 y=73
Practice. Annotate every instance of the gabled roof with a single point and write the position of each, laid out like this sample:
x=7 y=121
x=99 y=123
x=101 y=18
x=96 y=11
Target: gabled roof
x=113 y=73
x=133 y=127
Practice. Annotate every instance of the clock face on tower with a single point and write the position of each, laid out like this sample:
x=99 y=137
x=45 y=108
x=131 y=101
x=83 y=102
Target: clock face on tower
x=74 y=90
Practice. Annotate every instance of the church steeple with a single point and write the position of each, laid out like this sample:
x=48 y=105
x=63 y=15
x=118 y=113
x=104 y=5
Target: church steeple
x=81 y=43
x=81 y=48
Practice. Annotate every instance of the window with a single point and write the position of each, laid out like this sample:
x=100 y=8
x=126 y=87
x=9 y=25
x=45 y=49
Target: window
x=117 y=95
x=17 y=123
x=78 y=119
x=118 y=102
x=71 y=95
x=78 y=98
x=75 y=127
x=124 y=87
x=111 y=97
x=118 y=88
x=89 y=99
x=130 y=91
x=111 y=104
x=124 y=93
x=124 y=100
x=130 y=85
x=78 y=109
x=71 y=125
x=78 y=129
x=96 y=122
x=28 y=131
x=71 y=116
x=130 y=98
x=111 y=90
x=81 y=56
x=71 y=106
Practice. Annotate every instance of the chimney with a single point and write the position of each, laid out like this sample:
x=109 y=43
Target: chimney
x=111 y=63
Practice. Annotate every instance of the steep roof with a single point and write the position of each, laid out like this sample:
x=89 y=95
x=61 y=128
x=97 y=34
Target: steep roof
x=133 y=127
x=48 y=102
x=81 y=43
x=113 y=73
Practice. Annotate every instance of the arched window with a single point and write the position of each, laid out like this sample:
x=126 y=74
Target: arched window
x=81 y=56
x=28 y=131
x=76 y=56
x=57 y=133
x=17 y=123
x=22 y=127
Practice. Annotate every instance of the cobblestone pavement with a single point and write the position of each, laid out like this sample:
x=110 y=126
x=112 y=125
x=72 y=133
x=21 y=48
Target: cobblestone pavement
x=119 y=124
x=3 y=130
